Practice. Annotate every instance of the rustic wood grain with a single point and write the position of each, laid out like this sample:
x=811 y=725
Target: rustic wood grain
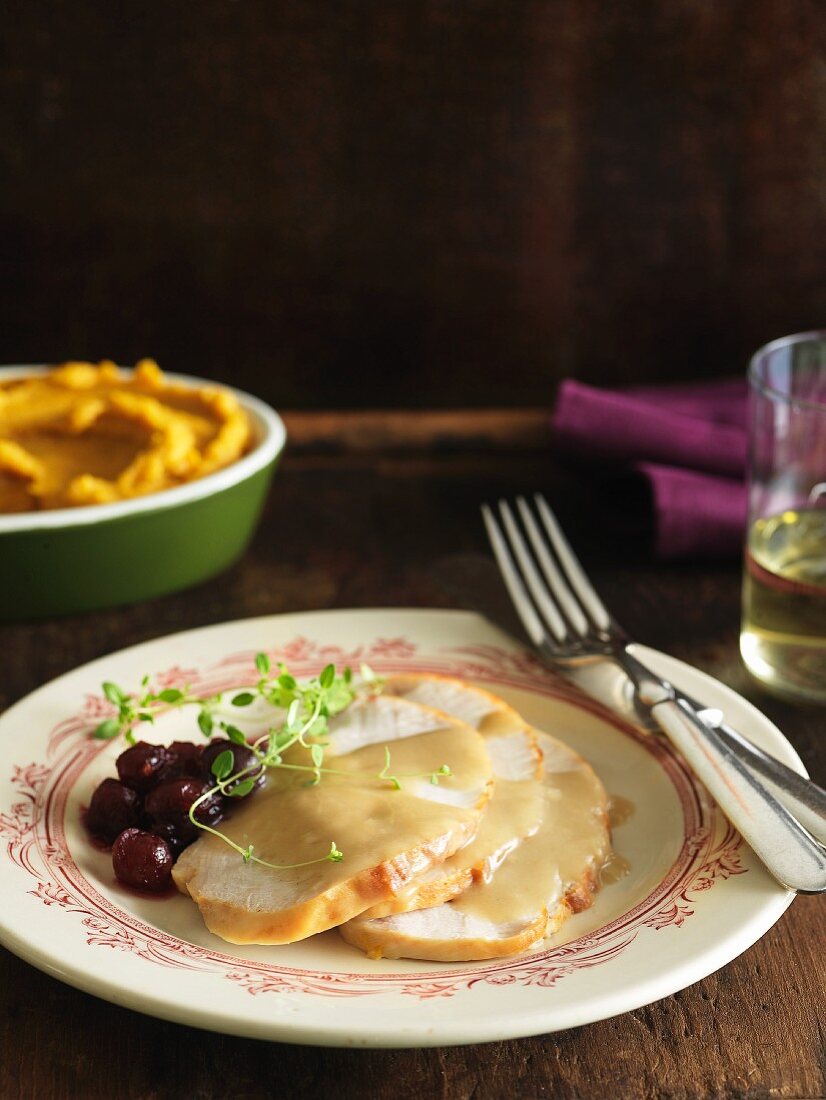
x=363 y=529
x=427 y=429
x=438 y=203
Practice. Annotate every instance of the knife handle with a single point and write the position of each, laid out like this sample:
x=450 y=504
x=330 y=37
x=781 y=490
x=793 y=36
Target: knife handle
x=786 y=848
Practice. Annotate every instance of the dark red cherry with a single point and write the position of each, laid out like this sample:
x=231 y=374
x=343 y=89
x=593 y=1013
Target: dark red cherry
x=183 y=758
x=167 y=808
x=113 y=808
x=142 y=860
x=141 y=766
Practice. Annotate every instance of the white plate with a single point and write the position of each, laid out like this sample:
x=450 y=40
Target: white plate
x=695 y=896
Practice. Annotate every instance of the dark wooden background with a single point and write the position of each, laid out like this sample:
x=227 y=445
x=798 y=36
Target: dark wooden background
x=419 y=202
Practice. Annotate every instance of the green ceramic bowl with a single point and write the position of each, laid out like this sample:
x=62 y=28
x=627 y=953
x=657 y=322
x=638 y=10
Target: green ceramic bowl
x=77 y=559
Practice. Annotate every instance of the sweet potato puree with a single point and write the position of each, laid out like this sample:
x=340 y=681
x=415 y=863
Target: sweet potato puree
x=86 y=434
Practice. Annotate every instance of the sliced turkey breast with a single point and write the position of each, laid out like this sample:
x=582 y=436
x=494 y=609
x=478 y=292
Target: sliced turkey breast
x=388 y=836
x=545 y=877
x=515 y=810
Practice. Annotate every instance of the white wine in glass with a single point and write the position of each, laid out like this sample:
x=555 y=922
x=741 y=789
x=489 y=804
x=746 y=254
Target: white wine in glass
x=784 y=602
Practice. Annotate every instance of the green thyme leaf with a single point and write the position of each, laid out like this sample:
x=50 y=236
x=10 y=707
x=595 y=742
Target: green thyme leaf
x=206 y=722
x=338 y=697
x=262 y=663
x=328 y=675
x=241 y=789
x=170 y=695
x=107 y=730
x=235 y=735
x=115 y=694
x=223 y=764
x=317 y=755
x=243 y=699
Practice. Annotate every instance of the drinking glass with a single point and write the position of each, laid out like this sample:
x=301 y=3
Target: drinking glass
x=783 y=636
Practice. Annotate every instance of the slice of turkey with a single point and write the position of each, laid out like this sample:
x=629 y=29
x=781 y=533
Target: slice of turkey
x=387 y=836
x=514 y=811
x=547 y=876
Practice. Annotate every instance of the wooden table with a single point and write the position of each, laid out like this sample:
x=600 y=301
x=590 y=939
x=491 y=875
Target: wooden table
x=358 y=519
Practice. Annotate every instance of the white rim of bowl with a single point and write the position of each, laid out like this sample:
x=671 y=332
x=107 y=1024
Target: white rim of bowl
x=272 y=439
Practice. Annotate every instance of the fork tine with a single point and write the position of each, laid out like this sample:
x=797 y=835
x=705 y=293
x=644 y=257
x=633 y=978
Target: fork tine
x=570 y=563
x=513 y=582
x=553 y=574
x=541 y=596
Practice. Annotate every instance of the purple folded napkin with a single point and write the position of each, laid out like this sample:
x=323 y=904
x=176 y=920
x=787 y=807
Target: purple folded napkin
x=688 y=442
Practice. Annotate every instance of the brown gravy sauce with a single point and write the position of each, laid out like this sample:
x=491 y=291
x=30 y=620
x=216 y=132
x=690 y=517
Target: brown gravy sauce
x=570 y=845
x=515 y=811
x=554 y=829
x=615 y=868
x=619 y=810
x=289 y=822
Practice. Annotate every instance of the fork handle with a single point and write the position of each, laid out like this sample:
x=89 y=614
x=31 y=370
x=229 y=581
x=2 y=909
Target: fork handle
x=801 y=797
x=788 y=851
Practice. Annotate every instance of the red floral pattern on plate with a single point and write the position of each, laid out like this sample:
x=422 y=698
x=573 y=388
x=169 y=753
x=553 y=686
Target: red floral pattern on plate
x=33 y=831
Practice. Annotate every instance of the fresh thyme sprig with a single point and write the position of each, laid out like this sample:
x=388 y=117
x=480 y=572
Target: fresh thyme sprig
x=143 y=708
x=393 y=780
x=308 y=707
x=332 y=693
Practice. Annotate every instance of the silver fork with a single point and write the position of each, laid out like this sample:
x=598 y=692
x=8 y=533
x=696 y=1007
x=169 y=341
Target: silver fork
x=569 y=625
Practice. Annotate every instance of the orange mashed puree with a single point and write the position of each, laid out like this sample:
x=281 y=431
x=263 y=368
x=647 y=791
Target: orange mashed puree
x=86 y=434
